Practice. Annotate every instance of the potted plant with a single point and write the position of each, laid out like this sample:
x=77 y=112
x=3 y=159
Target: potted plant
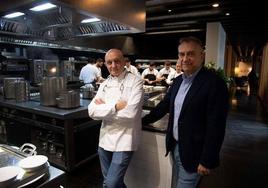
x=220 y=72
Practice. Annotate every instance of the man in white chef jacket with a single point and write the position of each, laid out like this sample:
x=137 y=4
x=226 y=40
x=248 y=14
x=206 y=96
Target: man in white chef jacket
x=118 y=103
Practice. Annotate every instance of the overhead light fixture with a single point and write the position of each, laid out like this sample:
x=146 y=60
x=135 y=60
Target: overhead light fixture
x=42 y=7
x=90 y=20
x=176 y=31
x=169 y=10
x=14 y=15
x=215 y=5
x=227 y=14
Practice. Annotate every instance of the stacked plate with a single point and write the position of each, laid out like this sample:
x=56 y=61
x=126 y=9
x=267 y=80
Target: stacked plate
x=8 y=175
x=33 y=163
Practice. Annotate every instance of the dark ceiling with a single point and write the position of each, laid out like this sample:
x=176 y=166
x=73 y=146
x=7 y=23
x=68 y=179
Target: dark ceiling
x=246 y=26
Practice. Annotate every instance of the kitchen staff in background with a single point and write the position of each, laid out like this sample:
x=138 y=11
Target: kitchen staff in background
x=149 y=75
x=118 y=103
x=175 y=74
x=131 y=68
x=164 y=72
x=99 y=64
x=197 y=103
x=89 y=74
x=138 y=67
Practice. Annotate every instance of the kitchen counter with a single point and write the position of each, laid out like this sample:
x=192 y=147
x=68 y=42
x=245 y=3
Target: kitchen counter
x=69 y=131
x=150 y=158
x=45 y=177
x=35 y=107
x=159 y=126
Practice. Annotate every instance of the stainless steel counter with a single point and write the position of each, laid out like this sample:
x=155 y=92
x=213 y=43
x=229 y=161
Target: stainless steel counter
x=46 y=177
x=159 y=126
x=72 y=130
x=35 y=107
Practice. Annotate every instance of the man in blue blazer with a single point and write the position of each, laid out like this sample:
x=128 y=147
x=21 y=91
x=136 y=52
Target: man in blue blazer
x=197 y=103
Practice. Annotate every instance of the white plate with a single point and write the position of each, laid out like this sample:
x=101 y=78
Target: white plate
x=8 y=173
x=33 y=163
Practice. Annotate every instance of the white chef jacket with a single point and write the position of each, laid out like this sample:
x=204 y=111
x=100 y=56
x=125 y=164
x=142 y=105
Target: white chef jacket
x=147 y=71
x=89 y=73
x=132 y=69
x=120 y=130
x=172 y=76
x=99 y=71
x=165 y=71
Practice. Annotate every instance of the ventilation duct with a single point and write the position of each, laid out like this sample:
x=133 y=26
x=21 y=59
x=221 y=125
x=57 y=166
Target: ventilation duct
x=64 y=22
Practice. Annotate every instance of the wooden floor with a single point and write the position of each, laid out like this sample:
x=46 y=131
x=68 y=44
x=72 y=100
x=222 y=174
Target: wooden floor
x=244 y=156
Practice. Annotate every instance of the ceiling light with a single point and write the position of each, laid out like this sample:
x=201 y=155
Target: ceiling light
x=169 y=10
x=90 y=20
x=14 y=15
x=227 y=14
x=176 y=31
x=215 y=5
x=43 y=7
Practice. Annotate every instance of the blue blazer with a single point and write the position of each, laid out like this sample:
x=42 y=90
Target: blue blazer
x=202 y=122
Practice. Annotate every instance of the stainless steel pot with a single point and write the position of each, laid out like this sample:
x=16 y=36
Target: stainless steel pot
x=87 y=92
x=68 y=99
x=21 y=91
x=9 y=87
x=49 y=89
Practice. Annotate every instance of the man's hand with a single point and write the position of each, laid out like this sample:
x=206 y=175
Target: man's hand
x=99 y=101
x=202 y=170
x=120 y=105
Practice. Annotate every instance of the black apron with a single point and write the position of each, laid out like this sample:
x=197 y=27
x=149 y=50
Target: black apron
x=150 y=77
x=163 y=82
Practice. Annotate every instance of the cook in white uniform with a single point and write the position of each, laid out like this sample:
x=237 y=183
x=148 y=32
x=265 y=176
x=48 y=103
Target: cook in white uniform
x=173 y=75
x=89 y=73
x=131 y=68
x=99 y=64
x=164 y=72
x=149 y=75
x=118 y=103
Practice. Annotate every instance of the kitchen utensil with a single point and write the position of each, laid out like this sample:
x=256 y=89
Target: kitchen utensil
x=49 y=88
x=21 y=91
x=33 y=163
x=52 y=149
x=148 y=88
x=87 y=92
x=9 y=87
x=8 y=174
x=68 y=99
x=160 y=88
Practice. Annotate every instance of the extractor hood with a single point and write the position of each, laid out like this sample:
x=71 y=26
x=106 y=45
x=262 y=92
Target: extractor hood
x=64 y=21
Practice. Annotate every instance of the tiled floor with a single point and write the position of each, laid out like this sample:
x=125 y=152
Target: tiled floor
x=244 y=156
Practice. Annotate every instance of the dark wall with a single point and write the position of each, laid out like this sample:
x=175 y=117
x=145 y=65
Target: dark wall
x=164 y=46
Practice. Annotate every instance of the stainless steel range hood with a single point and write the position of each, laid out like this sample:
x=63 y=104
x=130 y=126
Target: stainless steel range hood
x=64 y=22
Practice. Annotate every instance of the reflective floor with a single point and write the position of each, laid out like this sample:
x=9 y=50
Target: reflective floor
x=244 y=156
x=244 y=159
